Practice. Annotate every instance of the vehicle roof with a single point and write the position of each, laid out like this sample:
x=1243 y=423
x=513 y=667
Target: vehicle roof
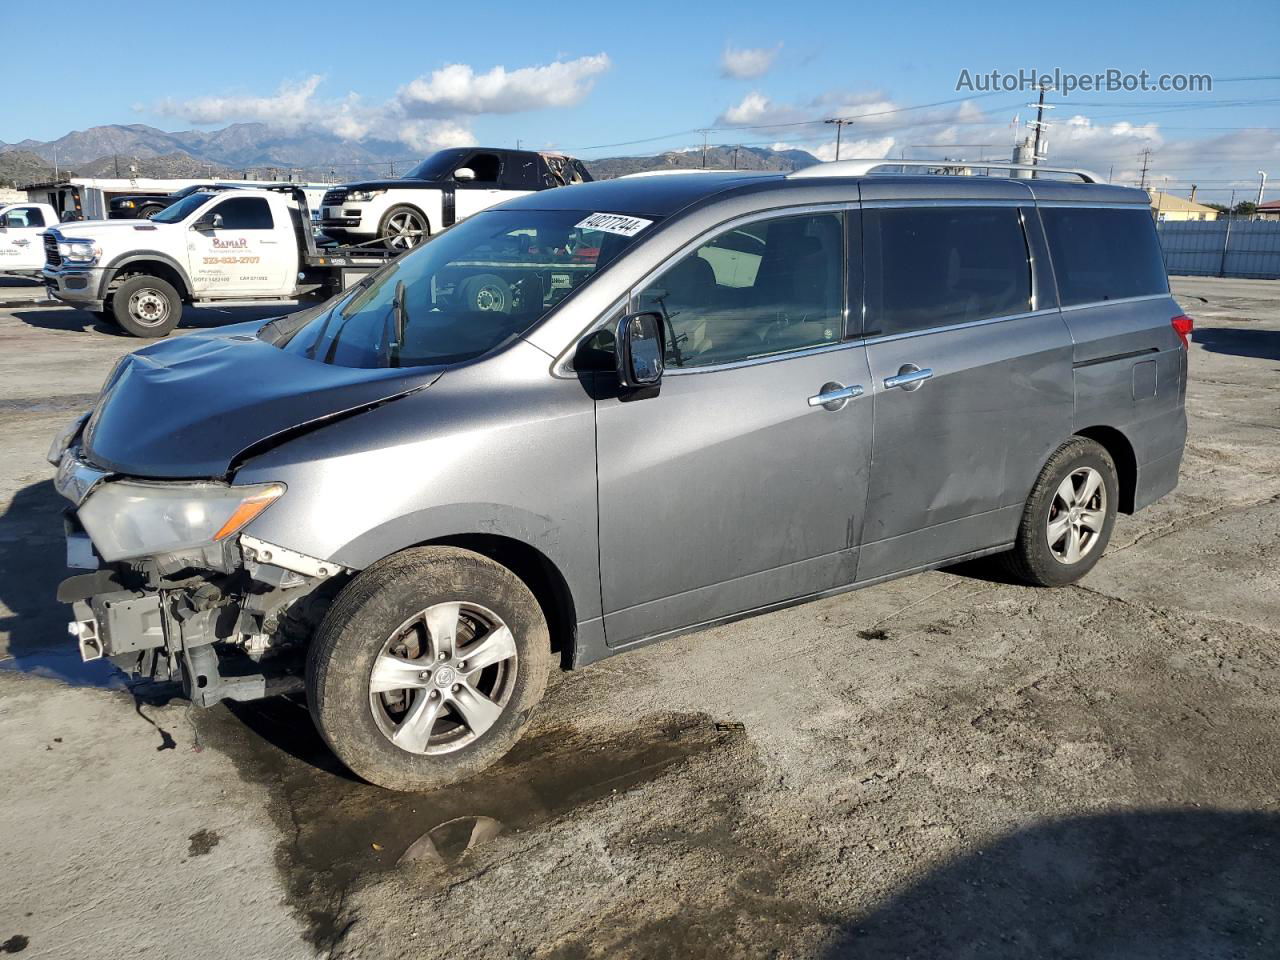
x=667 y=195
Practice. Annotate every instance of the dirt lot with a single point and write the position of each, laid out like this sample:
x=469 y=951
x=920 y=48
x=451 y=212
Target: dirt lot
x=945 y=766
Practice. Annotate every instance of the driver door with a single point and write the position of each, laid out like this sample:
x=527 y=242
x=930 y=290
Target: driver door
x=21 y=246
x=243 y=254
x=734 y=487
x=472 y=196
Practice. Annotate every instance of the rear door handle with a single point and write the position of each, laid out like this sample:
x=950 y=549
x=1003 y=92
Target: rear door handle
x=909 y=377
x=835 y=394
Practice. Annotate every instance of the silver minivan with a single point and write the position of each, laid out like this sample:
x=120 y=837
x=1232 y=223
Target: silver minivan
x=595 y=417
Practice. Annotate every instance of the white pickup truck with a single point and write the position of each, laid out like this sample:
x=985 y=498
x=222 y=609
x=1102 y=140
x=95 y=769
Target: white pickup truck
x=230 y=247
x=21 y=246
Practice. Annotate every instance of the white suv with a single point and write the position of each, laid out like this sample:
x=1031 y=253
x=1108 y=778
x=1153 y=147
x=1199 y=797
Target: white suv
x=444 y=188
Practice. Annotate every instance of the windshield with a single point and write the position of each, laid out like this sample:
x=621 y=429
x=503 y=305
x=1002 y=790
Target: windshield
x=436 y=166
x=474 y=287
x=176 y=212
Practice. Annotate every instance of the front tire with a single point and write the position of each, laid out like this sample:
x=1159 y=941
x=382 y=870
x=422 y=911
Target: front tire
x=1069 y=515
x=403 y=228
x=146 y=307
x=427 y=667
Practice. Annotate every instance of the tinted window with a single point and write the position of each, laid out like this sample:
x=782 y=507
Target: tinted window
x=177 y=212
x=485 y=165
x=245 y=213
x=436 y=166
x=765 y=288
x=520 y=172
x=1103 y=254
x=934 y=266
x=472 y=288
x=25 y=217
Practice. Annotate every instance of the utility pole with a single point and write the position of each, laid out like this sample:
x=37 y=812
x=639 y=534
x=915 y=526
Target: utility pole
x=735 y=156
x=392 y=165
x=840 y=125
x=1146 y=163
x=1262 y=185
x=1040 y=126
x=704 y=149
x=55 y=164
x=117 y=159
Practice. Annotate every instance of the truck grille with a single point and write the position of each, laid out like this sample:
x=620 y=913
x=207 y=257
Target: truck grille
x=51 y=255
x=333 y=197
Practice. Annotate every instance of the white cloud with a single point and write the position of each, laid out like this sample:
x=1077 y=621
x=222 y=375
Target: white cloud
x=458 y=89
x=748 y=63
x=428 y=113
x=292 y=106
x=755 y=109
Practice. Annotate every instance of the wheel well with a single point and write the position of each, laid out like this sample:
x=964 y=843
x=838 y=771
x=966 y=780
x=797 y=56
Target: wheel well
x=539 y=574
x=1121 y=450
x=150 y=268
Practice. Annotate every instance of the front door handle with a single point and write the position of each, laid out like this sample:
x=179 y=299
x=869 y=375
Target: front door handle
x=834 y=396
x=909 y=377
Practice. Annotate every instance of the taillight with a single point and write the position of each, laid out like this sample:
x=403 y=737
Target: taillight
x=1182 y=326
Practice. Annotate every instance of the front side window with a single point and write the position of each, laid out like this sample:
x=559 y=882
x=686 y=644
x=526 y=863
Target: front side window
x=25 y=217
x=469 y=290
x=935 y=266
x=486 y=167
x=1101 y=254
x=245 y=213
x=768 y=287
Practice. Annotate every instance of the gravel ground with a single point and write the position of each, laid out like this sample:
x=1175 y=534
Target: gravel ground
x=944 y=766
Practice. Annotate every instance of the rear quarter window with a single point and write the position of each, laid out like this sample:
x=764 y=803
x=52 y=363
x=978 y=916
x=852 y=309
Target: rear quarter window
x=1100 y=254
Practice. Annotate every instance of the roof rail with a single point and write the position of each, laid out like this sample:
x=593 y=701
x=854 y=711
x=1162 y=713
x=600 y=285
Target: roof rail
x=860 y=168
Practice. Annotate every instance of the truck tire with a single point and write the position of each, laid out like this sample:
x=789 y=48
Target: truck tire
x=1067 y=521
x=403 y=228
x=146 y=307
x=427 y=667
x=487 y=293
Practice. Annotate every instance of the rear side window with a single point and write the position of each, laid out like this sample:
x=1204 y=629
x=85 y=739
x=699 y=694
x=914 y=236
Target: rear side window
x=1101 y=254
x=26 y=217
x=935 y=266
x=245 y=213
x=520 y=172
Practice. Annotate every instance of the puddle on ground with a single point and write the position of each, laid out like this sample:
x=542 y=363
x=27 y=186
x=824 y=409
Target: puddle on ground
x=340 y=830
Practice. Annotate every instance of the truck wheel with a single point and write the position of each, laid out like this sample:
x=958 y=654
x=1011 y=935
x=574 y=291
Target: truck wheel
x=487 y=293
x=403 y=228
x=146 y=306
x=427 y=667
x=1067 y=521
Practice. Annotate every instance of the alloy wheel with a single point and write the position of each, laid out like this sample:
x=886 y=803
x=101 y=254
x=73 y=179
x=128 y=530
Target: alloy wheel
x=443 y=678
x=1077 y=515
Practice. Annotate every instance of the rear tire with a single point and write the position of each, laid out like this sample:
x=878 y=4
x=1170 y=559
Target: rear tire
x=1069 y=515
x=487 y=293
x=146 y=307
x=146 y=213
x=389 y=682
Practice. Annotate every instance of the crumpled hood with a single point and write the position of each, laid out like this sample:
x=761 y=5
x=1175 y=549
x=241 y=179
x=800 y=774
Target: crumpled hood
x=187 y=408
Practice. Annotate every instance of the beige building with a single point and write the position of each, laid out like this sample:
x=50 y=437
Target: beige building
x=1166 y=206
x=1269 y=210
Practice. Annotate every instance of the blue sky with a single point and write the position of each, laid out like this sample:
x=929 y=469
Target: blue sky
x=608 y=73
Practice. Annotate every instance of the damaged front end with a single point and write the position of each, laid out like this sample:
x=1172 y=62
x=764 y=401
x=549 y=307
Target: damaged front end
x=225 y=614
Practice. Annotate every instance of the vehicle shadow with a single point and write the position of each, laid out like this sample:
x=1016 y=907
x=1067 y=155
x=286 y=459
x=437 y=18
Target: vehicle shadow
x=1239 y=342
x=202 y=318
x=32 y=563
x=1140 y=885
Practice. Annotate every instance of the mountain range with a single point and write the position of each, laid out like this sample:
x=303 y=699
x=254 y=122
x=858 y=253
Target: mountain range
x=264 y=152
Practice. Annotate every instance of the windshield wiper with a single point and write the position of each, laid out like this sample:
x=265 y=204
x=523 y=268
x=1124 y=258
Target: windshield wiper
x=401 y=315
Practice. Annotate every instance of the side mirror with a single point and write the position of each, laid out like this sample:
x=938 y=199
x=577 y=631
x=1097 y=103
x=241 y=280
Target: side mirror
x=641 y=340
x=464 y=173
x=211 y=221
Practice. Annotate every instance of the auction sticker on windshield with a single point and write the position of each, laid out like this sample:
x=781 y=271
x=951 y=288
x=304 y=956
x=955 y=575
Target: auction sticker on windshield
x=618 y=223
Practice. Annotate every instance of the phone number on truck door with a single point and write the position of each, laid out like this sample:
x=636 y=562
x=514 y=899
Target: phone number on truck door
x=224 y=260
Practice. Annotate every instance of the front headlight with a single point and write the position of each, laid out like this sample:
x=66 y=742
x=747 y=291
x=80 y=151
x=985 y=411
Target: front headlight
x=128 y=204
x=362 y=196
x=63 y=439
x=79 y=251
x=131 y=518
